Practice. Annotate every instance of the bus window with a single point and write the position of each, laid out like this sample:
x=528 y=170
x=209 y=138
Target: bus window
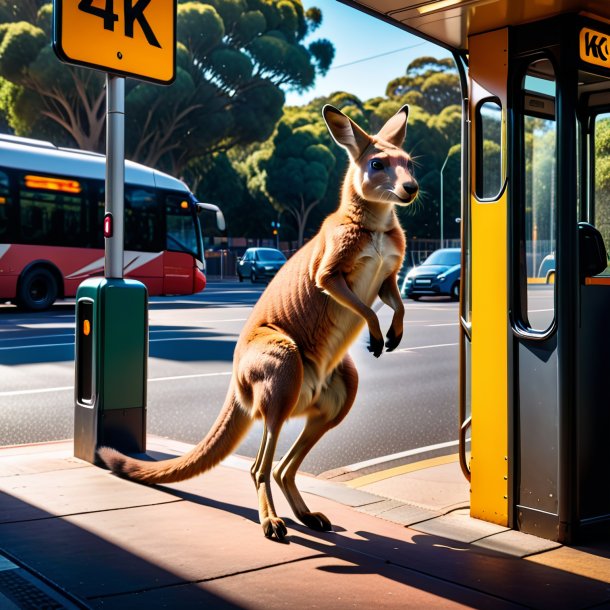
x=538 y=218
x=143 y=226
x=181 y=234
x=5 y=201
x=489 y=150
x=602 y=176
x=50 y=211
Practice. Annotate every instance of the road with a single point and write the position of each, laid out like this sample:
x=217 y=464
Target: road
x=407 y=400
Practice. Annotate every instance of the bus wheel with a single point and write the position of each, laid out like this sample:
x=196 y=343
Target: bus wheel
x=37 y=290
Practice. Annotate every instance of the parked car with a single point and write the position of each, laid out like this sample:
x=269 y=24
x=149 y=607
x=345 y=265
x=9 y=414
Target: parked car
x=547 y=268
x=259 y=264
x=438 y=275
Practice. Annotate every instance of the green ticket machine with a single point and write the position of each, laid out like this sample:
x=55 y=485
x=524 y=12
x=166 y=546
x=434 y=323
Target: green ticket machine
x=111 y=366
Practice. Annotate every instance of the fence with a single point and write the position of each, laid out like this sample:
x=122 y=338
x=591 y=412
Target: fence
x=222 y=264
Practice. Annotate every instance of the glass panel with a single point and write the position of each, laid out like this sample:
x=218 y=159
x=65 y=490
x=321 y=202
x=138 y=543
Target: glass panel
x=489 y=151
x=48 y=216
x=602 y=177
x=181 y=233
x=5 y=201
x=143 y=229
x=539 y=222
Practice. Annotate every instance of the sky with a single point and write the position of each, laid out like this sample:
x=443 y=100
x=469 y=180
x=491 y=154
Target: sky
x=368 y=52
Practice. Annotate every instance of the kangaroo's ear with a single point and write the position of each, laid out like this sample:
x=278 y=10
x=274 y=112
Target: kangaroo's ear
x=345 y=132
x=395 y=130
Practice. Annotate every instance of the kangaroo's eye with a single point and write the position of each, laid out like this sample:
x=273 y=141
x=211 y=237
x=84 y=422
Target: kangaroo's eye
x=376 y=164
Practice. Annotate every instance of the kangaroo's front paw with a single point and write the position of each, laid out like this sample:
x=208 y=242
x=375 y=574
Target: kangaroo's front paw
x=393 y=340
x=316 y=521
x=274 y=527
x=375 y=346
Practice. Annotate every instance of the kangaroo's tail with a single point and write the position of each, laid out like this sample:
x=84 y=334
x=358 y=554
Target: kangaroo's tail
x=228 y=429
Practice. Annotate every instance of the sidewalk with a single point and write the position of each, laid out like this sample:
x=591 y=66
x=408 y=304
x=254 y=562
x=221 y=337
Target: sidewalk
x=74 y=536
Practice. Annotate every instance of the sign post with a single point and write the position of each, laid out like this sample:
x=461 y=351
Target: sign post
x=115 y=176
x=133 y=38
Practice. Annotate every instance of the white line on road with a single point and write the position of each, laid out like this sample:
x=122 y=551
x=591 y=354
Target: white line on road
x=412 y=349
x=396 y=456
x=445 y=324
x=194 y=376
x=70 y=387
x=37 y=346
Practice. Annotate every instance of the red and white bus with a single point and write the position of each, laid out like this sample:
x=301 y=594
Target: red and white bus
x=51 y=225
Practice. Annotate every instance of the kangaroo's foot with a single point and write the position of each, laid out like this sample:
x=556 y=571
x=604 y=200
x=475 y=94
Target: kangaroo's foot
x=316 y=521
x=274 y=527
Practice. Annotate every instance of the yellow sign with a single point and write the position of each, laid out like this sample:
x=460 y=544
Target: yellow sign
x=595 y=47
x=127 y=37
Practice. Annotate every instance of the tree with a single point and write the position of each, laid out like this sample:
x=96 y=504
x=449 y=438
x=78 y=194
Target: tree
x=602 y=178
x=296 y=175
x=429 y=83
x=234 y=59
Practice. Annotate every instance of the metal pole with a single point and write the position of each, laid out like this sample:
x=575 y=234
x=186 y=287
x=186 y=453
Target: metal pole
x=115 y=176
x=442 y=202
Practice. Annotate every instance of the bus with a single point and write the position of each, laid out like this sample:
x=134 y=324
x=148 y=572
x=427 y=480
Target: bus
x=52 y=203
x=534 y=353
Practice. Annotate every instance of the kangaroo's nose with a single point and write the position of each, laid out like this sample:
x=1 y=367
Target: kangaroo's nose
x=410 y=187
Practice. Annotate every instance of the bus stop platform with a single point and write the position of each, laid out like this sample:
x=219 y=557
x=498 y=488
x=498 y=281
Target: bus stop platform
x=74 y=536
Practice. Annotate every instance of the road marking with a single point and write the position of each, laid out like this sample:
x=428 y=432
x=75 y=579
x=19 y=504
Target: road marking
x=37 y=346
x=71 y=334
x=70 y=387
x=413 y=349
x=40 y=391
x=67 y=335
x=396 y=456
x=375 y=477
x=194 y=376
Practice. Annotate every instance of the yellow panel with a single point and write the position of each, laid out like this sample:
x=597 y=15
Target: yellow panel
x=139 y=43
x=489 y=464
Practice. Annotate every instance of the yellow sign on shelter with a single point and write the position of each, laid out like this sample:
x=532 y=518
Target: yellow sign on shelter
x=594 y=47
x=135 y=38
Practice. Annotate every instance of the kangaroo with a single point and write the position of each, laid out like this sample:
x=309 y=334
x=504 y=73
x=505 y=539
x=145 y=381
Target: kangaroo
x=291 y=357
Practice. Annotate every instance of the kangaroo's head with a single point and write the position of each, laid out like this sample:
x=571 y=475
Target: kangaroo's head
x=382 y=171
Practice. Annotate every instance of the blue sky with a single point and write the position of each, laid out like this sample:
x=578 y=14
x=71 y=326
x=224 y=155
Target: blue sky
x=382 y=52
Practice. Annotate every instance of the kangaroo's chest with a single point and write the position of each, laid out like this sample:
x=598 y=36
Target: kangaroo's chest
x=375 y=261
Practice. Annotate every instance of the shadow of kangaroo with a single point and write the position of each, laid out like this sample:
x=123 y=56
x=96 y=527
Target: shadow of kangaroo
x=291 y=357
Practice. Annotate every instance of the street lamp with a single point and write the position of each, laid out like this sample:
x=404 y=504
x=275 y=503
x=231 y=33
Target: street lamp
x=442 y=196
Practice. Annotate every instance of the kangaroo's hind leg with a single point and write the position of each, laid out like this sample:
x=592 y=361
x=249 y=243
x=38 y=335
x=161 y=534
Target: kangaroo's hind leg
x=331 y=407
x=271 y=373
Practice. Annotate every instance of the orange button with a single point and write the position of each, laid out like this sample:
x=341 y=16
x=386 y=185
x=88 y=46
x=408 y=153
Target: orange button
x=86 y=328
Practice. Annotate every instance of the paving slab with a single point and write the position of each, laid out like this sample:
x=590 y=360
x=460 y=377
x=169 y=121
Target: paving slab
x=378 y=508
x=591 y=563
x=459 y=526
x=409 y=515
x=71 y=491
x=516 y=544
x=319 y=582
x=441 y=488
x=202 y=546
x=123 y=551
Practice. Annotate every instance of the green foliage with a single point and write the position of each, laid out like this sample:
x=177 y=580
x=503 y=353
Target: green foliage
x=602 y=178
x=429 y=83
x=21 y=44
x=234 y=60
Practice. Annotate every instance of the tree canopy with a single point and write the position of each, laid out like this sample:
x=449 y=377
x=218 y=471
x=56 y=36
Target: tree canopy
x=234 y=60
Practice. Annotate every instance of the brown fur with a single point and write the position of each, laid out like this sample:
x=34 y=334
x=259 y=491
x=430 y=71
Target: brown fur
x=291 y=357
